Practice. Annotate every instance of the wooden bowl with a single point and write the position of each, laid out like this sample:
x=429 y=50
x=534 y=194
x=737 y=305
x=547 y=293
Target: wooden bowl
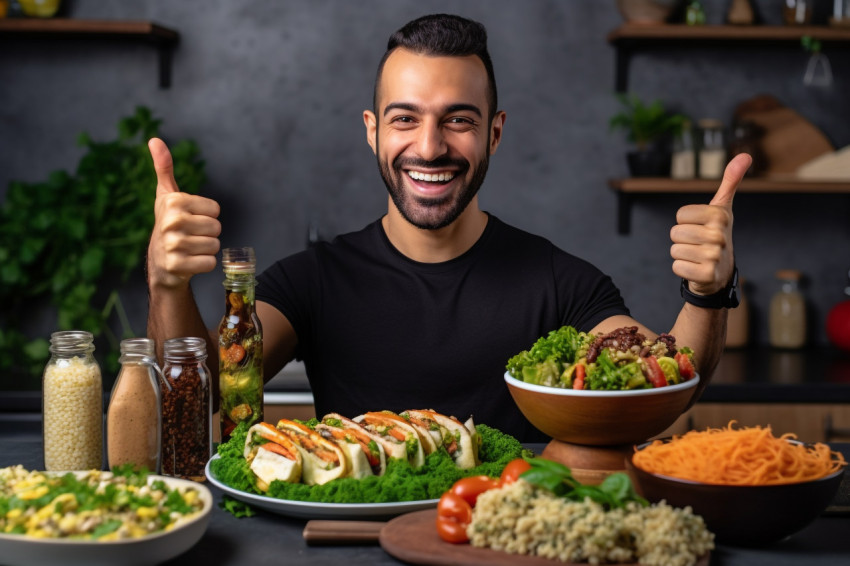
x=601 y=418
x=742 y=515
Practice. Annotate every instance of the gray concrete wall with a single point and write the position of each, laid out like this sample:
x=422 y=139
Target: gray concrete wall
x=273 y=93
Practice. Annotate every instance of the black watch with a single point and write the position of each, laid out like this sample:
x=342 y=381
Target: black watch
x=726 y=298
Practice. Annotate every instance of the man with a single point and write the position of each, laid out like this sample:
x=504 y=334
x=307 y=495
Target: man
x=423 y=308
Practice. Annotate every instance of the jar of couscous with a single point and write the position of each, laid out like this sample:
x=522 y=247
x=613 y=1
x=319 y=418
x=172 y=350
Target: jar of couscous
x=186 y=409
x=72 y=404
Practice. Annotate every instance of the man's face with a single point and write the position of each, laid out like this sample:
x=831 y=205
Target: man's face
x=431 y=134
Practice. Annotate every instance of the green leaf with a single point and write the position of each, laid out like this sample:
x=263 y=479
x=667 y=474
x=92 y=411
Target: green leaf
x=37 y=349
x=91 y=264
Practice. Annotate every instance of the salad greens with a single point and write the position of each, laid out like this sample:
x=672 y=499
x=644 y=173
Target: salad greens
x=615 y=491
x=561 y=359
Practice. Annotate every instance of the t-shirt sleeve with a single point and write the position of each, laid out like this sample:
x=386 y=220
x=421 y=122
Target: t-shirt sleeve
x=287 y=286
x=588 y=295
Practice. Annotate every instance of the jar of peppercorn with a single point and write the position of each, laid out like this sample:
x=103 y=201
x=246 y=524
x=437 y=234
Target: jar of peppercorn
x=186 y=409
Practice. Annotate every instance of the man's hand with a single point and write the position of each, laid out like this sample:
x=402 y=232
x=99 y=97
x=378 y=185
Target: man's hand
x=186 y=228
x=702 y=240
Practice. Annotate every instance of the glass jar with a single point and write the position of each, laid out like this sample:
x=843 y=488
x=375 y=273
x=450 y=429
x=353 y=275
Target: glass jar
x=712 y=151
x=787 y=316
x=186 y=409
x=683 y=165
x=72 y=404
x=746 y=139
x=240 y=344
x=134 y=417
x=797 y=12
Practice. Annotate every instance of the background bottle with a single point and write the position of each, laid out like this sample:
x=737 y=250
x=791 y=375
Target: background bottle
x=72 y=404
x=186 y=409
x=134 y=417
x=240 y=344
x=684 y=162
x=787 y=317
x=712 y=151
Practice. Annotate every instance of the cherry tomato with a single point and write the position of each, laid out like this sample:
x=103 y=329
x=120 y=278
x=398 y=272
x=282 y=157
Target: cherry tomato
x=654 y=373
x=470 y=488
x=686 y=367
x=451 y=531
x=234 y=354
x=513 y=470
x=453 y=506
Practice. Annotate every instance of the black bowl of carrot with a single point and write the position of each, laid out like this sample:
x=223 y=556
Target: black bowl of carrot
x=750 y=487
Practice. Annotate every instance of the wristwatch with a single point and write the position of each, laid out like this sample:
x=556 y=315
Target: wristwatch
x=726 y=298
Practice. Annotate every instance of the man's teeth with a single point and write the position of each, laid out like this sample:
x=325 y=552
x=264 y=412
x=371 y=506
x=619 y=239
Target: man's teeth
x=437 y=177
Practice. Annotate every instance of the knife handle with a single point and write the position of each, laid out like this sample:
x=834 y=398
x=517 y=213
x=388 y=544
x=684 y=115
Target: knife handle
x=318 y=532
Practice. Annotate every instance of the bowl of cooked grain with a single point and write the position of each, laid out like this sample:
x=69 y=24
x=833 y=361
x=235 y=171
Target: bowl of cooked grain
x=601 y=417
x=750 y=488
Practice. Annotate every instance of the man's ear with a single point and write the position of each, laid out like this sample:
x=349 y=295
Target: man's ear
x=371 y=129
x=496 y=130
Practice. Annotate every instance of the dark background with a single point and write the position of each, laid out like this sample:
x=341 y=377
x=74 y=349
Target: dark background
x=273 y=93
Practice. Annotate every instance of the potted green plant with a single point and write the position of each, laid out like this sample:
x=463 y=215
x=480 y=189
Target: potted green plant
x=648 y=127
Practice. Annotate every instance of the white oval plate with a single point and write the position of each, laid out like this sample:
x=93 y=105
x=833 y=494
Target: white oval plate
x=24 y=550
x=313 y=510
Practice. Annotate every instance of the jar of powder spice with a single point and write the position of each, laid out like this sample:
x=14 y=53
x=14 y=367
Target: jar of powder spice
x=134 y=417
x=186 y=409
x=72 y=404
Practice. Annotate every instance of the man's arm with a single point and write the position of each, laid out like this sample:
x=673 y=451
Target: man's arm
x=703 y=255
x=183 y=242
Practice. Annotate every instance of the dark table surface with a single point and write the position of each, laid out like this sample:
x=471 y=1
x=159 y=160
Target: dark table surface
x=274 y=539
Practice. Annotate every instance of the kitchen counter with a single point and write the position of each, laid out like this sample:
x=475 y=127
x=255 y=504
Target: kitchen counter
x=273 y=539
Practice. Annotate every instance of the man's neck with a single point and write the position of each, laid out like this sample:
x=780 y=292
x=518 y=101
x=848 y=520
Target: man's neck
x=435 y=246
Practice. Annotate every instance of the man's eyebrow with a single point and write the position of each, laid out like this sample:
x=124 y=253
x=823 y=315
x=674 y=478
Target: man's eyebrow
x=416 y=109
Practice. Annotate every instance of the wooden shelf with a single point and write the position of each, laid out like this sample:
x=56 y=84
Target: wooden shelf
x=629 y=38
x=629 y=188
x=163 y=38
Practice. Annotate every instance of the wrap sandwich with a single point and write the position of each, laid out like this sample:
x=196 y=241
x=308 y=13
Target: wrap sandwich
x=271 y=455
x=460 y=440
x=399 y=438
x=323 y=460
x=364 y=451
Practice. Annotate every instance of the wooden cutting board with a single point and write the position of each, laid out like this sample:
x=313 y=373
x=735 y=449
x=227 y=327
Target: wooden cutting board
x=413 y=538
x=788 y=140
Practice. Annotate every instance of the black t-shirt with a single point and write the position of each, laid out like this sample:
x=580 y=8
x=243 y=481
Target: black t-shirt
x=378 y=331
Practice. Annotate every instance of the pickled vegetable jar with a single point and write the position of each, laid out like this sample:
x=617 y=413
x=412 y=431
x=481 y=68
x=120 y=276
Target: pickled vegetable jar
x=186 y=409
x=72 y=404
x=240 y=344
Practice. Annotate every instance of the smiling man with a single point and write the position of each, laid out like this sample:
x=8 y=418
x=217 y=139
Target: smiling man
x=422 y=308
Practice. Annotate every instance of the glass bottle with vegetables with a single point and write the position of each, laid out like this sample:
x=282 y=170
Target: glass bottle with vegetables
x=240 y=343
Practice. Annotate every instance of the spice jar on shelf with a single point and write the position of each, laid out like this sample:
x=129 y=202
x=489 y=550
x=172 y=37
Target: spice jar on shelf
x=240 y=344
x=186 y=409
x=134 y=417
x=683 y=164
x=712 y=151
x=787 y=315
x=797 y=12
x=72 y=404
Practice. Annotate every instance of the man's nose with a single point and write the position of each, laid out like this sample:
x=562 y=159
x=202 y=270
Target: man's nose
x=431 y=143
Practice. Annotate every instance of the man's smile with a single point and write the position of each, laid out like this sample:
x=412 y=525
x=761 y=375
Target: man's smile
x=442 y=177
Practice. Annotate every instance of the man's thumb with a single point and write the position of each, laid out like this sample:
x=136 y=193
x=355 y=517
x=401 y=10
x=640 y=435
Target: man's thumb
x=164 y=167
x=735 y=171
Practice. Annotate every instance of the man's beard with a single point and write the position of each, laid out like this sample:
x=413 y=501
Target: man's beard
x=431 y=213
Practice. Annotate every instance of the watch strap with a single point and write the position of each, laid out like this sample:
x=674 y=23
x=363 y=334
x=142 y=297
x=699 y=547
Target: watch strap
x=726 y=298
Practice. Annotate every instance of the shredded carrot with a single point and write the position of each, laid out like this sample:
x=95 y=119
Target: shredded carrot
x=738 y=456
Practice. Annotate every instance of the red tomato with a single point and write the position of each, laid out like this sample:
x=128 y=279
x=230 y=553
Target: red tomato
x=451 y=531
x=453 y=506
x=686 y=367
x=470 y=488
x=513 y=470
x=654 y=373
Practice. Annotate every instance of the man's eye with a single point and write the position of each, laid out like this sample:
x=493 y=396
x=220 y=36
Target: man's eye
x=461 y=120
x=404 y=119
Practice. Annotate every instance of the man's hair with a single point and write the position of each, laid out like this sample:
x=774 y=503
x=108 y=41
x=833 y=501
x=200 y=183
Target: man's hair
x=443 y=35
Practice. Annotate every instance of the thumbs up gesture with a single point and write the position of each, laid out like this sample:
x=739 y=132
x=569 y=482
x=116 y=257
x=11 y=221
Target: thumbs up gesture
x=184 y=240
x=702 y=238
